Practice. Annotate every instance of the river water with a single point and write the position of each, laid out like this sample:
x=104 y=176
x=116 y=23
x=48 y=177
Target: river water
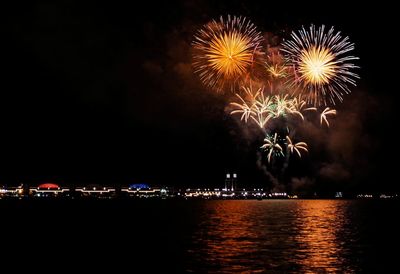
x=207 y=236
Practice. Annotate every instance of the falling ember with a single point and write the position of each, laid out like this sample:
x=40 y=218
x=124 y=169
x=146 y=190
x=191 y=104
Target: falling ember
x=322 y=66
x=224 y=51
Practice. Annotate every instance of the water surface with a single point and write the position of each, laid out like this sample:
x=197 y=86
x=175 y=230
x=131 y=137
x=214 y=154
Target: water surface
x=199 y=236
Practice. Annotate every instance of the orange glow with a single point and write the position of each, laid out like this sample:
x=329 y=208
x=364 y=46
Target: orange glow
x=272 y=236
x=230 y=54
x=317 y=65
x=321 y=221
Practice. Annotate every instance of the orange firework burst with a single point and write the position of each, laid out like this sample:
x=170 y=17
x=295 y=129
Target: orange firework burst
x=224 y=51
x=317 y=65
x=322 y=68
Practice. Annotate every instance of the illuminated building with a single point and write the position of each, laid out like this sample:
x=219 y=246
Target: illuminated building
x=144 y=191
x=48 y=190
x=234 y=182
x=227 y=181
x=95 y=191
x=230 y=182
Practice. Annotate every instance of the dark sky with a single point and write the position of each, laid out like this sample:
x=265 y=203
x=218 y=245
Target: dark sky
x=104 y=93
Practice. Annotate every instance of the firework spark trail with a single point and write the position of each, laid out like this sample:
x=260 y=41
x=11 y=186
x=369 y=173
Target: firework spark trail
x=243 y=108
x=298 y=104
x=276 y=71
x=271 y=145
x=283 y=105
x=254 y=106
x=322 y=68
x=312 y=69
x=224 y=51
x=261 y=108
x=296 y=146
x=323 y=117
x=276 y=66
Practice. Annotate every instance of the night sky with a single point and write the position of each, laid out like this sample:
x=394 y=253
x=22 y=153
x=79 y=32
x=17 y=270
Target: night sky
x=105 y=93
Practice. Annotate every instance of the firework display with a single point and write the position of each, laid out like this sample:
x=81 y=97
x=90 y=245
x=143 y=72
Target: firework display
x=298 y=80
x=272 y=146
x=322 y=67
x=296 y=147
x=225 y=51
x=261 y=107
x=324 y=113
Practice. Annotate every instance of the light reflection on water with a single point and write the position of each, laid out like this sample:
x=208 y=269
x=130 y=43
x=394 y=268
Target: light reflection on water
x=276 y=236
x=206 y=236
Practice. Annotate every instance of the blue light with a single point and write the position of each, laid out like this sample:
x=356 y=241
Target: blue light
x=139 y=186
